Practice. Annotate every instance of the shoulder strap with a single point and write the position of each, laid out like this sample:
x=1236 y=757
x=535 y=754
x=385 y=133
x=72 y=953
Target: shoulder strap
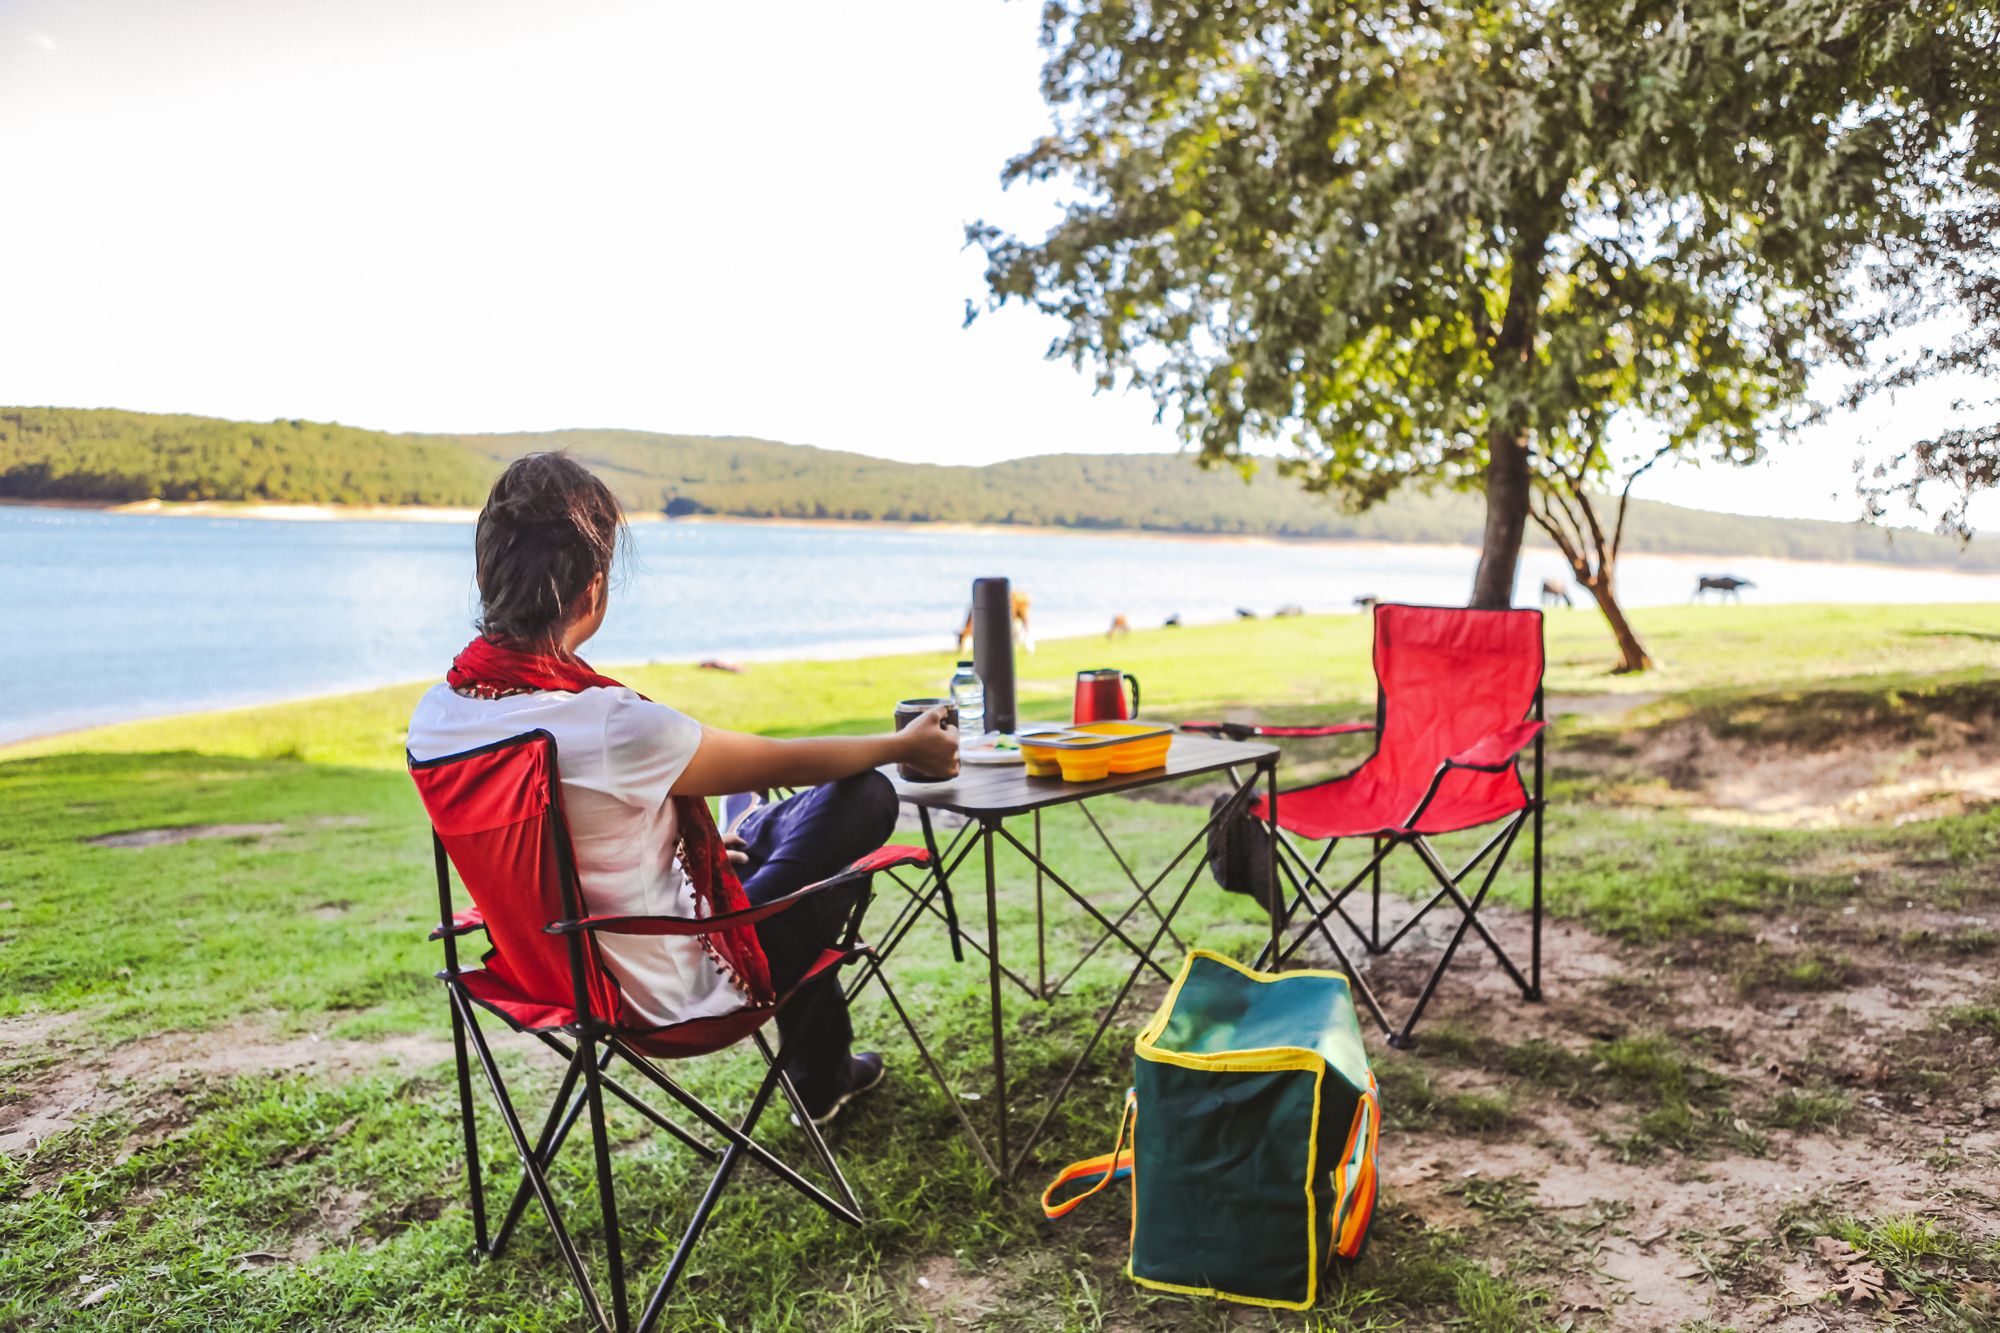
x=1112 y=1165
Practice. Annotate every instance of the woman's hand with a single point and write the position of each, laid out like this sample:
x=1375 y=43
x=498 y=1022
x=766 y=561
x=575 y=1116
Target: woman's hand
x=930 y=744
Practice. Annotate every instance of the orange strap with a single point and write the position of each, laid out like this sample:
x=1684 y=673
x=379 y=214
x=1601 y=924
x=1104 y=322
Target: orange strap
x=1108 y=1164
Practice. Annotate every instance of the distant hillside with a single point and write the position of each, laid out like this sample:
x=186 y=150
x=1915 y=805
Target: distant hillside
x=55 y=453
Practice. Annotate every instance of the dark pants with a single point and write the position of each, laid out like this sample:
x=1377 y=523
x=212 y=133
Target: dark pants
x=799 y=841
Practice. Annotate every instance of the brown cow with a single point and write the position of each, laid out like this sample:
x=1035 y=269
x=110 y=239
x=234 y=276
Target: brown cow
x=1023 y=636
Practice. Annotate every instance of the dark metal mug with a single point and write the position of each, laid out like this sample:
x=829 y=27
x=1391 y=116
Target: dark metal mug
x=908 y=711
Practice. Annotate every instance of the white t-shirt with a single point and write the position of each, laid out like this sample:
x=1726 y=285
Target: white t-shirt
x=618 y=757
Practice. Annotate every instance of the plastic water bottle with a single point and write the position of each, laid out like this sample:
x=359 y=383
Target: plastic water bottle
x=969 y=696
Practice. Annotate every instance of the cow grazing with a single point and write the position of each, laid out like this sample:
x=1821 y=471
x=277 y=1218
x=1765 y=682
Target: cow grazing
x=1727 y=587
x=1553 y=591
x=1023 y=636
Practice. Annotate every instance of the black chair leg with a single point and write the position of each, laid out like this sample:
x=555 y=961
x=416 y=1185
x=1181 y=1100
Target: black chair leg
x=537 y=1180
x=554 y=1130
x=472 y=1179
x=606 y=1196
x=1375 y=905
x=713 y=1195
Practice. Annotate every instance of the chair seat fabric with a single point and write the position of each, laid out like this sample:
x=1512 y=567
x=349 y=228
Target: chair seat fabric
x=1361 y=805
x=1455 y=685
x=698 y=1036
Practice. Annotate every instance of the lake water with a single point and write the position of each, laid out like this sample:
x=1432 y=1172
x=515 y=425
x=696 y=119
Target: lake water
x=116 y=616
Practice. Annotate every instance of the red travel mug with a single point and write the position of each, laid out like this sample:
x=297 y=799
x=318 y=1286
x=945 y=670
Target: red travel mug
x=1100 y=696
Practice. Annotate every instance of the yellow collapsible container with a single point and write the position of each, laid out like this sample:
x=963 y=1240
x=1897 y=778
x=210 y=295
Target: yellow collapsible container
x=1094 y=750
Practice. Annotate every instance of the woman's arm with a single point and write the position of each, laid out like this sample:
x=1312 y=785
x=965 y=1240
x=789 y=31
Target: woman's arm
x=732 y=761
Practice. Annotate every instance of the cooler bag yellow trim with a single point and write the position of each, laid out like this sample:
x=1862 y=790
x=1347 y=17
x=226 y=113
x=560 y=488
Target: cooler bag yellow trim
x=1238 y=1128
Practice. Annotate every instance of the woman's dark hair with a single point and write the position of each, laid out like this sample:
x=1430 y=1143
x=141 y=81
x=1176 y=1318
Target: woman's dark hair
x=548 y=528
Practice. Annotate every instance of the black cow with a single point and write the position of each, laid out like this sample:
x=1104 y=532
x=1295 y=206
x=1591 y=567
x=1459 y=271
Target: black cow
x=1727 y=586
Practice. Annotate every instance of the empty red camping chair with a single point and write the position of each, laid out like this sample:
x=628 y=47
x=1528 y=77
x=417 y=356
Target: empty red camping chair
x=496 y=816
x=1458 y=698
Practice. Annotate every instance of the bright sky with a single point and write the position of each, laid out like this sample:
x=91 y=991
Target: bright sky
x=735 y=219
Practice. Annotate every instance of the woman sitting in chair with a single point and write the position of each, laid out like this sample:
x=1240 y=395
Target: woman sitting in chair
x=544 y=548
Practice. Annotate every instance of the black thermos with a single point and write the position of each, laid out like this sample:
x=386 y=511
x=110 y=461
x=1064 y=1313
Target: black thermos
x=993 y=649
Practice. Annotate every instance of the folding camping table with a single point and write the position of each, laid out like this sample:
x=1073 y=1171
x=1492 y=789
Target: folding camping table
x=988 y=797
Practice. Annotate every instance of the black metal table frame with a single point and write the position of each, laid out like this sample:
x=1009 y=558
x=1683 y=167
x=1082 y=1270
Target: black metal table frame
x=932 y=896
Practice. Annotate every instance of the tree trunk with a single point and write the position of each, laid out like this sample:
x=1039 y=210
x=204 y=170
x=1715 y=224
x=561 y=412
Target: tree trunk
x=1507 y=485
x=1506 y=519
x=1631 y=653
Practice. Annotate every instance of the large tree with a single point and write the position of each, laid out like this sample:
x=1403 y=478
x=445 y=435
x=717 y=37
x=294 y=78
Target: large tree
x=1951 y=283
x=1460 y=243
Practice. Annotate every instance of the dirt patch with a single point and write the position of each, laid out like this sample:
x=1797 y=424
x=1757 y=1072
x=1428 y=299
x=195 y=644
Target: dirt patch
x=953 y=1294
x=88 y=1081
x=175 y=835
x=1728 y=780
x=180 y=833
x=1654 y=1239
x=1601 y=707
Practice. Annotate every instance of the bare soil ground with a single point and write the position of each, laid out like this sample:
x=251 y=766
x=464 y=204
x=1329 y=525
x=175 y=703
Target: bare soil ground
x=1653 y=1237
x=147 y=1078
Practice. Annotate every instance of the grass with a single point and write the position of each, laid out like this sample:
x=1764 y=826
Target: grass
x=1949 y=1279
x=1811 y=1108
x=179 y=1202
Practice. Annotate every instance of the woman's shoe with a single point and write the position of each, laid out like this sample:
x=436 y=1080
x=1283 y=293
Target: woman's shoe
x=863 y=1072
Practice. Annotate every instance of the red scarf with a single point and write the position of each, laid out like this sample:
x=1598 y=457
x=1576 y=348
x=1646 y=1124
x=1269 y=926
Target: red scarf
x=488 y=670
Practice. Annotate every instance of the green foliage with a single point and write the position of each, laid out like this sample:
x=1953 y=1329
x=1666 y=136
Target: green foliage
x=1392 y=233
x=57 y=453
x=48 y=453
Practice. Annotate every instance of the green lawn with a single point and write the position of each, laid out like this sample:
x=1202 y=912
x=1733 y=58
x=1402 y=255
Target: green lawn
x=327 y=1201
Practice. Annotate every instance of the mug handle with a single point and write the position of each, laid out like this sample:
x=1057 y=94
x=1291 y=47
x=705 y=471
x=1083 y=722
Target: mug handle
x=1135 y=691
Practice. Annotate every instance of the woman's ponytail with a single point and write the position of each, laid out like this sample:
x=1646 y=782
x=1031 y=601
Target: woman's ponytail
x=548 y=528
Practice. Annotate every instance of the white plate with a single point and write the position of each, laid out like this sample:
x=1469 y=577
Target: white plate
x=986 y=754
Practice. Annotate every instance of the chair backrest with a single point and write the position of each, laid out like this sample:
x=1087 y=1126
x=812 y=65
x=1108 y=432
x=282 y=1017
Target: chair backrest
x=1450 y=676
x=497 y=810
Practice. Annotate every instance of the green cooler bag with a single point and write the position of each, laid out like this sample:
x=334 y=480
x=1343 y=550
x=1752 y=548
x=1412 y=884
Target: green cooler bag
x=1253 y=1119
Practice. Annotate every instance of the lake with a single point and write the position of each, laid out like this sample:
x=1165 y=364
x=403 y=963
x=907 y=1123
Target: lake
x=117 y=616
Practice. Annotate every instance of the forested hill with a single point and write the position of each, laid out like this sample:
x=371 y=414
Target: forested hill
x=112 y=456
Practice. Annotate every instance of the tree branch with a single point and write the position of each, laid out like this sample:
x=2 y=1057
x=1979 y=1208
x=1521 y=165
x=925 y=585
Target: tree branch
x=1625 y=496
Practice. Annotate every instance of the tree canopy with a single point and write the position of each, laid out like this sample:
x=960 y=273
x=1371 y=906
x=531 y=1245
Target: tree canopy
x=1458 y=243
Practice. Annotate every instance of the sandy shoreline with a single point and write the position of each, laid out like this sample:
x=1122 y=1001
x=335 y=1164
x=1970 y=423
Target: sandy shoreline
x=331 y=513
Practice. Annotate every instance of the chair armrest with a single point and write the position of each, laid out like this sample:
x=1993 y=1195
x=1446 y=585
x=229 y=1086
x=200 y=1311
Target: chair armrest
x=883 y=859
x=1243 y=731
x=1491 y=754
x=462 y=923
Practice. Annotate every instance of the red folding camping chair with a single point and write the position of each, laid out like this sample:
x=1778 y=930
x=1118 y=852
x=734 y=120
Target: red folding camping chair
x=496 y=815
x=1458 y=698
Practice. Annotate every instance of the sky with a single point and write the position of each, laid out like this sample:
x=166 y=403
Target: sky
x=451 y=216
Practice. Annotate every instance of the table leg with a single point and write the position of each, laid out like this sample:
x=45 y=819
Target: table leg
x=993 y=998
x=1111 y=1014
x=943 y=882
x=1041 y=935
